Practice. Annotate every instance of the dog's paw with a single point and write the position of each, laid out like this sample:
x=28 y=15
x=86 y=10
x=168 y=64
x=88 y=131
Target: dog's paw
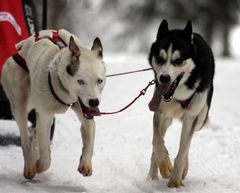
x=42 y=166
x=85 y=170
x=165 y=167
x=185 y=169
x=152 y=177
x=29 y=172
x=172 y=183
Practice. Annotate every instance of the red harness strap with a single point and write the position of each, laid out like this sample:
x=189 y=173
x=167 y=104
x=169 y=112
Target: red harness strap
x=185 y=103
x=20 y=61
x=55 y=39
x=129 y=72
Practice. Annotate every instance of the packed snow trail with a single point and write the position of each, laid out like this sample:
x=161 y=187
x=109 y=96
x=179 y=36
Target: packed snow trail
x=123 y=142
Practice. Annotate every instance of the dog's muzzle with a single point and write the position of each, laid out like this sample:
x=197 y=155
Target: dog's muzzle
x=89 y=113
x=164 y=91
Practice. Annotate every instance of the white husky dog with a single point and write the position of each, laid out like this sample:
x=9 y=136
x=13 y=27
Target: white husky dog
x=50 y=73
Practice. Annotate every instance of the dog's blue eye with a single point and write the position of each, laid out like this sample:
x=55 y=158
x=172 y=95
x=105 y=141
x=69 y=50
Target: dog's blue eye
x=178 y=61
x=99 y=81
x=81 y=82
x=159 y=59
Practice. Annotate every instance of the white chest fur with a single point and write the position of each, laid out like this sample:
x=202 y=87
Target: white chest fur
x=183 y=93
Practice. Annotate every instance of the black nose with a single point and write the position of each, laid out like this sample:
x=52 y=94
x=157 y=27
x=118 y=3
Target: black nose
x=165 y=79
x=93 y=102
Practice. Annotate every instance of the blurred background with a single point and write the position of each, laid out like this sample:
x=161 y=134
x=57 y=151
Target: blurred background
x=132 y=25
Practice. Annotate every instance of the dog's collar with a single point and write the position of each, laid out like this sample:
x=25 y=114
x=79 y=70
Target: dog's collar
x=54 y=93
x=62 y=86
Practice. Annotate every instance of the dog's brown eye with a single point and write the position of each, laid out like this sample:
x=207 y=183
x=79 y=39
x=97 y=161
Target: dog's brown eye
x=100 y=81
x=81 y=82
x=178 y=61
x=159 y=59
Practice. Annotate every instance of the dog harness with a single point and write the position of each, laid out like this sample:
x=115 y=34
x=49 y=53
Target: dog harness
x=185 y=103
x=54 y=39
x=22 y=63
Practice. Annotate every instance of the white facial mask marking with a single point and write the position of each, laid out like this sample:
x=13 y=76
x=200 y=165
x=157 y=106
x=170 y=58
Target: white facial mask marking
x=168 y=68
x=175 y=55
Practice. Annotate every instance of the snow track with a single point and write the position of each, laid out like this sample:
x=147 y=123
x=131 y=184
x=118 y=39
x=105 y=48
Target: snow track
x=123 y=142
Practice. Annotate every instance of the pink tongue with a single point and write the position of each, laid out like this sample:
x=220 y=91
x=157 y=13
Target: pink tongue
x=157 y=96
x=93 y=112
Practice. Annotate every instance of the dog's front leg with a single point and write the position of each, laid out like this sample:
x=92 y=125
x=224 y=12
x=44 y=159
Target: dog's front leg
x=181 y=161
x=44 y=122
x=88 y=136
x=160 y=158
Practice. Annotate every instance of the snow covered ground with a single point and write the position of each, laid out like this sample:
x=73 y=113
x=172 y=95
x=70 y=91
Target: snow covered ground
x=123 y=142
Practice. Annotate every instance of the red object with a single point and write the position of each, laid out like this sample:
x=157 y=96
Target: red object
x=13 y=27
x=142 y=92
x=55 y=39
x=20 y=61
x=129 y=72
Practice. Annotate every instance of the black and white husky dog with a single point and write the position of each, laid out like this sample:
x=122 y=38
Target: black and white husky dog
x=183 y=65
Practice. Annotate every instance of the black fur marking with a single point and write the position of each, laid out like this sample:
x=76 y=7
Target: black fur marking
x=209 y=96
x=204 y=61
x=190 y=45
x=162 y=30
x=72 y=68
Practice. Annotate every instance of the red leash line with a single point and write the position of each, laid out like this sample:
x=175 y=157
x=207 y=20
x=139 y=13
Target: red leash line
x=124 y=108
x=142 y=92
x=129 y=72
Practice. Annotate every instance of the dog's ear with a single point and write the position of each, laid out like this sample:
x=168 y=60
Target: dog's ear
x=162 y=30
x=73 y=47
x=97 y=48
x=187 y=32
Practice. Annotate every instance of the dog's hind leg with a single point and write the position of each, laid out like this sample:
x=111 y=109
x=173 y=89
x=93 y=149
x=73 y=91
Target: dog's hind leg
x=160 y=158
x=20 y=114
x=43 y=127
x=16 y=84
x=88 y=136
